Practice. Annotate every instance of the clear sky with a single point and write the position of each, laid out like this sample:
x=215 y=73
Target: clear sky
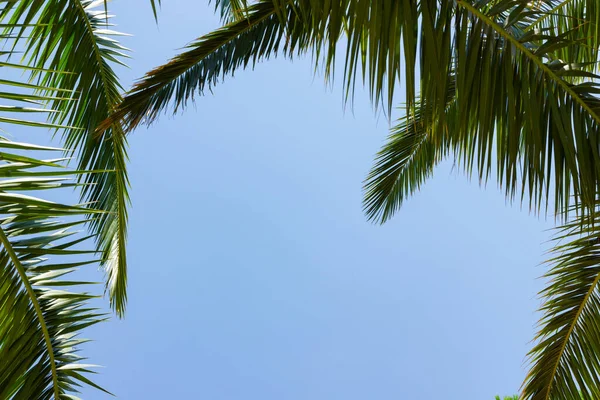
x=254 y=274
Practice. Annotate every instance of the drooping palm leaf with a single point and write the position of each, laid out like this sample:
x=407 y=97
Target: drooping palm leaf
x=42 y=308
x=74 y=36
x=401 y=167
x=267 y=27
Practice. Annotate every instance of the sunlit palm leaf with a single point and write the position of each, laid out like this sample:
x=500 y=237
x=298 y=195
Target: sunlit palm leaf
x=512 y=104
x=42 y=308
x=73 y=36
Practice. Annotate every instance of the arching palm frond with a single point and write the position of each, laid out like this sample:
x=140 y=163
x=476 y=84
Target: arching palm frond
x=43 y=305
x=401 y=167
x=74 y=36
x=566 y=361
x=207 y=60
x=268 y=28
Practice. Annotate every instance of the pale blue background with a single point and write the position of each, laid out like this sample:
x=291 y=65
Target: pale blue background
x=255 y=275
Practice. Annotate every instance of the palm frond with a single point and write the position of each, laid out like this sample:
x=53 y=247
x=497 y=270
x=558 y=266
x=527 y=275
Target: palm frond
x=43 y=308
x=74 y=36
x=566 y=360
x=297 y=26
x=511 y=104
x=258 y=35
x=401 y=166
x=39 y=319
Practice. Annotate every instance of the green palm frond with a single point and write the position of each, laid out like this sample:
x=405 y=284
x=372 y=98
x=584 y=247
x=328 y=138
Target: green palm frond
x=267 y=27
x=74 y=36
x=39 y=318
x=511 y=104
x=566 y=360
x=401 y=167
x=43 y=305
x=205 y=62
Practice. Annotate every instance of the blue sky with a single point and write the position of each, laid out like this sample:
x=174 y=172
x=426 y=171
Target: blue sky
x=255 y=275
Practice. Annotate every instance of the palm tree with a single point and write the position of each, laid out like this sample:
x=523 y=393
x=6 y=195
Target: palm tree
x=506 y=87
x=65 y=76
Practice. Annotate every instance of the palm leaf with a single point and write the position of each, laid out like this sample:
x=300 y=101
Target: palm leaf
x=401 y=167
x=74 y=36
x=237 y=44
x=42 y=308
x=511 y=105
x=566 y=361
